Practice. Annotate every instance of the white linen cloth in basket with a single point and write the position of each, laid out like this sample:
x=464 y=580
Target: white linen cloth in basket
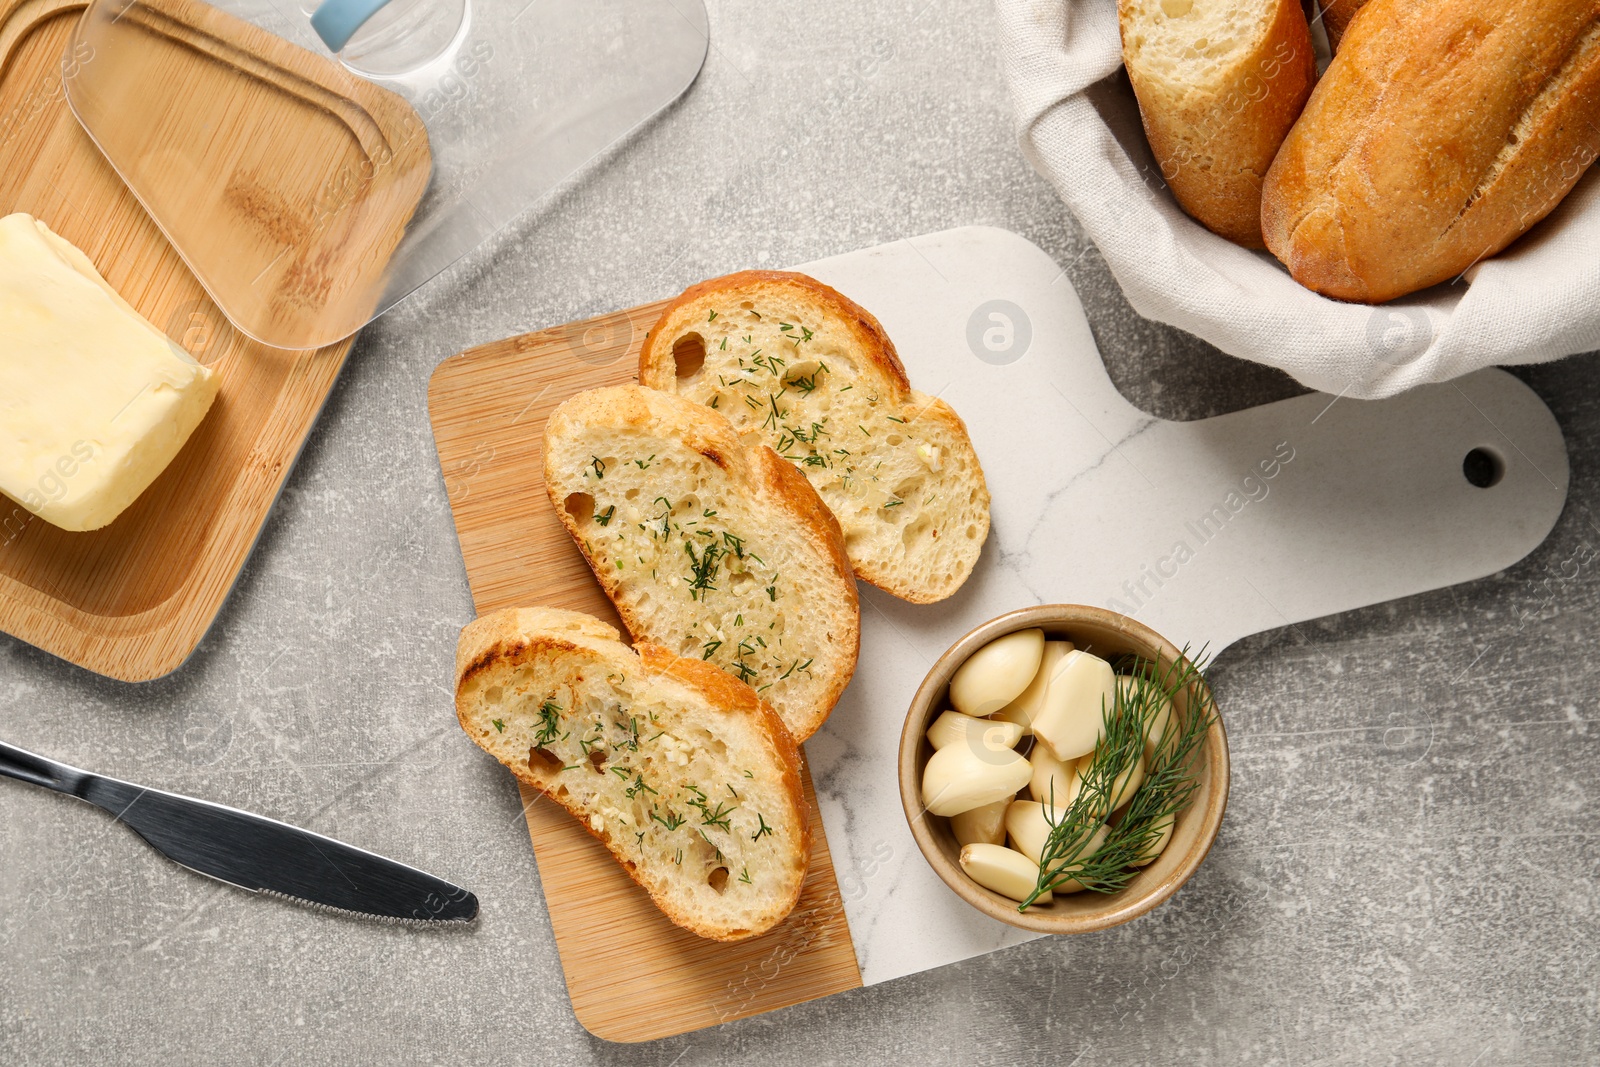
x=1079 y=126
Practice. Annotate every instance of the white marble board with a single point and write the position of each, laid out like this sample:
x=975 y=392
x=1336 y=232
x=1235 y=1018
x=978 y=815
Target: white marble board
x=1179 y=524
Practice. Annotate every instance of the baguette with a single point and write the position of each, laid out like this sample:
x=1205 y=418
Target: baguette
x=1441 y=132
x=812 y=372
x=685 y=775
x=708 y=544
x=1219 y=84
x=1336 y=18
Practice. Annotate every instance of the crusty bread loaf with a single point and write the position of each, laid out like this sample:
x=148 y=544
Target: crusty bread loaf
x=811 y=371
x=1219 y=84
x=1336 y=18
x=684 y=774
x=1442 y=131
x=708 y=543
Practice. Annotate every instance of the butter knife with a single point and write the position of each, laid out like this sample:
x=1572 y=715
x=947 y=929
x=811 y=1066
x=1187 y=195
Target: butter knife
x=256 y=853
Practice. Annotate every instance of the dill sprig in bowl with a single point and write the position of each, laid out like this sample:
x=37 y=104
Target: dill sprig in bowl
x=1186 y=781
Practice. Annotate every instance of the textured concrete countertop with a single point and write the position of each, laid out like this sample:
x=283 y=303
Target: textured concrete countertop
x=1408 y=868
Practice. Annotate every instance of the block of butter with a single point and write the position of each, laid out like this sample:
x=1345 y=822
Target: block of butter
x=94 y=401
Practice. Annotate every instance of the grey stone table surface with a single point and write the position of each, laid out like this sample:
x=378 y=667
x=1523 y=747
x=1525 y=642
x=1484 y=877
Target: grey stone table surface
x=1408 y=868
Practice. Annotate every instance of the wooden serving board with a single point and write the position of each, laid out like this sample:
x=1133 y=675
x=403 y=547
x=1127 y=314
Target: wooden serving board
x=1206 y=531
x=133 y=600
x=488 y=408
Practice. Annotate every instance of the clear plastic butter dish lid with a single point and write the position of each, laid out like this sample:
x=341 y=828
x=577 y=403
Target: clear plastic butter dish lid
x=314 y=164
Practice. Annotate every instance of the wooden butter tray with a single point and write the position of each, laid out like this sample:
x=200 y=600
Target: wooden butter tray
x=133 y=600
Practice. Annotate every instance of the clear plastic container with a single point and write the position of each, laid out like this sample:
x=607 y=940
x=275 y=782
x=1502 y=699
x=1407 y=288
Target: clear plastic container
x=310 y=192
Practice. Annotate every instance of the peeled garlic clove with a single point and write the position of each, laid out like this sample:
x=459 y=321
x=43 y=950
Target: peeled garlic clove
x=1007 y=872
x=1156 y=724
x=1158 y=844
x=953 y=727
x=1072 y=885
x=1073 y=714
x=962 y=777
x=985 y=825
x=1127 y=783
x=1022 y=710
x=1028 y=826
x=993 y=676
x=1053 y=781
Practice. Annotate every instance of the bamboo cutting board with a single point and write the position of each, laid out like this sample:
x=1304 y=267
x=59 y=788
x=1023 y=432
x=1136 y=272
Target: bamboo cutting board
x=488 y=408
x=134 y=599
x=1206 y=531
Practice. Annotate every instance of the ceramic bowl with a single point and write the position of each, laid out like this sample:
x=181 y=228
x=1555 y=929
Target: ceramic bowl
x=1109 y=635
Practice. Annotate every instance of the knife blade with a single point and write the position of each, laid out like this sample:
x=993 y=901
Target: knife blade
x=254 y=852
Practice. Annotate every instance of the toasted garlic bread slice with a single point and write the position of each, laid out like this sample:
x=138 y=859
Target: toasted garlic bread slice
x=708 y=544
x=782 y=355
x=685 y=775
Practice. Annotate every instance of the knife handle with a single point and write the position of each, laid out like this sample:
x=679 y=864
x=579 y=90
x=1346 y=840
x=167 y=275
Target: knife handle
x=21 y=764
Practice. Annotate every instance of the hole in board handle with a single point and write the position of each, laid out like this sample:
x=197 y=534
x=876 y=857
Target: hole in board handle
x=1483 y=468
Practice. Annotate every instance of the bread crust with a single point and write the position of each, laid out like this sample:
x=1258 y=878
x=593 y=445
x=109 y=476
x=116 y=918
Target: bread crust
x=1336 y=18
x=1442 y=131
x=747 y=462
x=719 y=689
x=1215 y=142
x=787 y=484
x=507 y=639
x=658 y=370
